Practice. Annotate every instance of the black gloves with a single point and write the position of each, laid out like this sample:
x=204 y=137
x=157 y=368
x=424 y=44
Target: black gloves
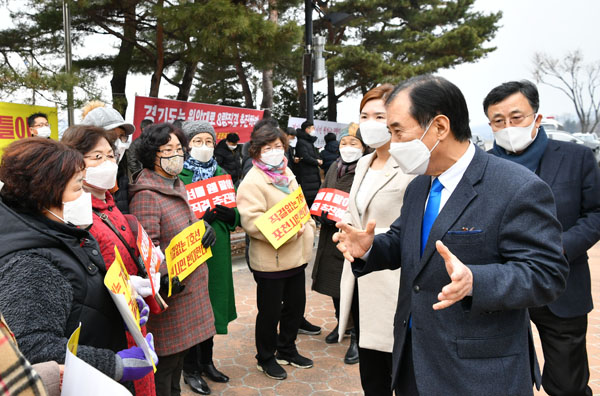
x=209 y=216
x=210 y=236
x=324 y=220
x=225 y=214
x=175 y=283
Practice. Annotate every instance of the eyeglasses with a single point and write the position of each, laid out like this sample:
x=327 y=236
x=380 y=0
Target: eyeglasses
x=99 y=157
x=515 y=120
x=41 y=125
x=169 y=152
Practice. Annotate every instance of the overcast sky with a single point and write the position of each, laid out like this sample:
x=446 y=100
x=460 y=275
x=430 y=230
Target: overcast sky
x=527 y=26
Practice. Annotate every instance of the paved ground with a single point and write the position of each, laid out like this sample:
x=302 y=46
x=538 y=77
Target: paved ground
x=234 y=353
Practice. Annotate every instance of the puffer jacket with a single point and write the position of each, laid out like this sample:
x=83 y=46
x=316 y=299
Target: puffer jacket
x=255 y=196
x=307 y=170
x=51 y=279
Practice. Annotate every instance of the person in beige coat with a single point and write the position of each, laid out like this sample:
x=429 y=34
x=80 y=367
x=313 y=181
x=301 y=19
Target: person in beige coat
x=279 y=273
x=376 y=194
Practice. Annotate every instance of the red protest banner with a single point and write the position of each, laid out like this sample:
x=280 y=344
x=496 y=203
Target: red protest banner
x=209 y=193
x=224 y=119
x=148 y=253
x=332 y=201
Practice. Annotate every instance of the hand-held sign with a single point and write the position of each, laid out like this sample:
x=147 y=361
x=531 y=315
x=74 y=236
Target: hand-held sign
x=353 y=242
x=461 y=276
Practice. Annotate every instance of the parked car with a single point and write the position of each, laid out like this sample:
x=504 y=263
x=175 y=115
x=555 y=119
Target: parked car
x=550 y=124
x=594 y=145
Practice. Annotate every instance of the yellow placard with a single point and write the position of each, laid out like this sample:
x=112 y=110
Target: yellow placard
x=185 y=252
x=13 y=121
x=285 y=219
x=117 y=281
x=74 y=340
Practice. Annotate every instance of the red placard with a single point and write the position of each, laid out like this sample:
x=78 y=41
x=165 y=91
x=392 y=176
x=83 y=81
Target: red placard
x=332 y=201
x=148 y=254
x=224 y=119
x=209 y=193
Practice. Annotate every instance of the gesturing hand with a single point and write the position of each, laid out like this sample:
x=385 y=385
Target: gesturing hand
x=461 y=276
x=353 y=242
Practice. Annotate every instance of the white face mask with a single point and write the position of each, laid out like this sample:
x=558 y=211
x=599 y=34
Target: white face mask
x=202 y=153
x=273 y=157
x=515 y=139
x=44 y=132
x=293 y=142
x=232 y=147
x=172 y=165
x=103 y=176
x=350 y=154
x=413 y=157
x=77 y=212
x=374 y=134
x=121 y=148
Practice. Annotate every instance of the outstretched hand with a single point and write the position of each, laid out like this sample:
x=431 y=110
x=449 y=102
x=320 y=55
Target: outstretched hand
x=460 y=275
x=354 y=242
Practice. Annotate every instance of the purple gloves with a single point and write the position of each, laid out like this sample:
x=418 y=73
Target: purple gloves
x=131 y=364
x=144 y=309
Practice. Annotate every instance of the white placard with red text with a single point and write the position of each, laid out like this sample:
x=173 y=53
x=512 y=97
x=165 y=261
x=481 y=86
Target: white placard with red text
x=334 y=202
x=209 y=193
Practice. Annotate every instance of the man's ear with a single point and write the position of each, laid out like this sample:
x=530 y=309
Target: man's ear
x=441 y=123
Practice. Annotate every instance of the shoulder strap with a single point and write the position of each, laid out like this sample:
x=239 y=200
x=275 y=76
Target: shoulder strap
x=136 y=259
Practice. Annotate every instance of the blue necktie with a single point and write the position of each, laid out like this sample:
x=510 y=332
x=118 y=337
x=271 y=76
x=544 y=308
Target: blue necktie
x=431 y=211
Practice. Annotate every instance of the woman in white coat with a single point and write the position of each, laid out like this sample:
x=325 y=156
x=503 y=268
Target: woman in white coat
x=376 y=194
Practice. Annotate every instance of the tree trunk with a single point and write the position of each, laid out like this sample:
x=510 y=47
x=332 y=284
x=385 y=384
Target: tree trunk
x=331 y=99
x=267 y=88
x=160 y=57
x=186 y=82
x=267 y=77
x=241 y=73
x=301 y=96
x=123 y=60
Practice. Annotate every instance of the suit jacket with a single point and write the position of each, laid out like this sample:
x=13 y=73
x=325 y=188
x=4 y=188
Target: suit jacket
x=511 y=242
x=573 y=175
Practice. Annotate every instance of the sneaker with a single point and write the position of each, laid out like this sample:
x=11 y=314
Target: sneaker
x=296 y=360
x=272 y=369
x=308 y=328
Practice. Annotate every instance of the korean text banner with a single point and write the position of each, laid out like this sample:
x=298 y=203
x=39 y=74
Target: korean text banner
x=332 y=201
x=13 y=121
x=185 y=252
x=285 y=219
x=322 y=128
x=224 y=119
x=209 y=193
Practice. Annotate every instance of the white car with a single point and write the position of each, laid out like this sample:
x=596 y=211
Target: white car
x=567 y=137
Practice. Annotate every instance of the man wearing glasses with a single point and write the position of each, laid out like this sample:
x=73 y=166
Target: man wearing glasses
x=38 y=125
x=573 y=175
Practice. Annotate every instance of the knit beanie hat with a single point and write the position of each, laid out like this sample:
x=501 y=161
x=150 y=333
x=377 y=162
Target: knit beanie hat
x=192 y=128
x=351 y=130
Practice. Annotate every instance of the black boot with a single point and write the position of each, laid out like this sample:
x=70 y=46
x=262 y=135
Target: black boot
x=352 y=352
x=212 y=373
x=332 y=337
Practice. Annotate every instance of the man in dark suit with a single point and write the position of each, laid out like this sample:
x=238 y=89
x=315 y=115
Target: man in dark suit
x=478 y=242
x=572 y=173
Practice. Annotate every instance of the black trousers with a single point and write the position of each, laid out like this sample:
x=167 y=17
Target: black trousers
x=279 y=301
x=566 y=370
x=199 y=355
x=168 y=374
x=375 y=367
x=407 y=384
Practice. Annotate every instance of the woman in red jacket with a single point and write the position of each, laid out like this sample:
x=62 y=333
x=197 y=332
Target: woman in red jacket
x=101 y=172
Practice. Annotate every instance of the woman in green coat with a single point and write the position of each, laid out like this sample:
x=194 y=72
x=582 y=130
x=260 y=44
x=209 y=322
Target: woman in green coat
x=201 y=165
